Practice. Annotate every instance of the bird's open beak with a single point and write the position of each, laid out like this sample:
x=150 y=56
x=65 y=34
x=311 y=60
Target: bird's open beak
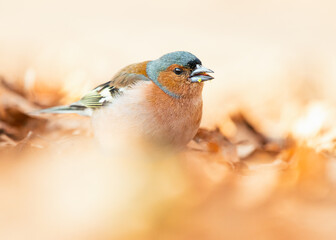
x=200 y=74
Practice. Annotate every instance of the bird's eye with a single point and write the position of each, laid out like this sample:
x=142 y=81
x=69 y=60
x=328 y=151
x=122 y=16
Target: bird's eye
x=178 y=71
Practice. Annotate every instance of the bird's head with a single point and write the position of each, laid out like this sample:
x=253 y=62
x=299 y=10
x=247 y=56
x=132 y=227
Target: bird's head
x=178 y=73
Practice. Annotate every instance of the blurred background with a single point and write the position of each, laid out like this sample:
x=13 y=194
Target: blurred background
x=275 y=65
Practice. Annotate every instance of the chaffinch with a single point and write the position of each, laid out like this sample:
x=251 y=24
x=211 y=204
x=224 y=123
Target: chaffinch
x=160 y=99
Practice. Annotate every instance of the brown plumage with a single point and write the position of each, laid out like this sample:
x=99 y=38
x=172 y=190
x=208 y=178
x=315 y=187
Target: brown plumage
x=124 y=77
x=179 y=118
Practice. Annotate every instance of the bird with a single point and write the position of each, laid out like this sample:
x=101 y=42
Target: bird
x=159 y=100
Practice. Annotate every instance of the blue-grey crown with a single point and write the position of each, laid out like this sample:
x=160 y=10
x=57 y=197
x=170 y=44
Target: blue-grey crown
x=182 y=58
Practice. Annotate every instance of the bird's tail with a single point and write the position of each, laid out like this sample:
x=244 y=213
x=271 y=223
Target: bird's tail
x=78 y=109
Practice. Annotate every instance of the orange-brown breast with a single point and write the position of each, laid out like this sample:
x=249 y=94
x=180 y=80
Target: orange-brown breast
x=177 y=120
